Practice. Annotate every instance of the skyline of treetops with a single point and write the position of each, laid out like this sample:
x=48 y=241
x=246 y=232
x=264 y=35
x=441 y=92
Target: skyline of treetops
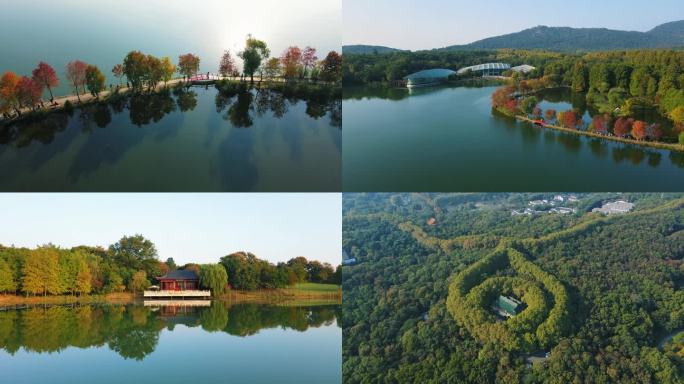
x=132 y=263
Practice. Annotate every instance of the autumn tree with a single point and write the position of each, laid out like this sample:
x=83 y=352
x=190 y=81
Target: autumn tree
x=568 y=119
x=677 y=116
x=332 y=67
x=528 y=104
x=8 y=92
x=76 y=74
x=28 y=92
x=536 y=112
x=188 y=65
x=95 y=80
x=46 y=76
x=639 y=130
x=167 y=69
x=308 y=59
x=118 y=72
x=227 y=65
x=40 y=272
x=655 y=132
x=599 y=124
x=622 y=126
x=254 y=53
x=550 y=114
x=290 y=61
x=213 y=277
x=83 y=279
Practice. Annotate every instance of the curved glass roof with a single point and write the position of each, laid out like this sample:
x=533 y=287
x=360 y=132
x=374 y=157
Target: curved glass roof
x=484 y=67
x=430 y=73
x=523 y=68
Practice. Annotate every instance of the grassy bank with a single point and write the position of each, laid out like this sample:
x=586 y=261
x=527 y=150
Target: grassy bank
x=308 y=293
x=303 y=292
x=651 y=144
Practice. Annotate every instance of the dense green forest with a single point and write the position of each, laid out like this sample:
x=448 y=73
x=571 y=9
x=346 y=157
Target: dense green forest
x=133 y=331
x=602 y=292
x=132 y=263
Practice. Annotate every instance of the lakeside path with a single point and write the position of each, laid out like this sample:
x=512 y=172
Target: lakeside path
x=651 y=144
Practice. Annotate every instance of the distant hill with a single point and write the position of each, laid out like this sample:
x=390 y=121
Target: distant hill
x=669 y=35
x=368 y=49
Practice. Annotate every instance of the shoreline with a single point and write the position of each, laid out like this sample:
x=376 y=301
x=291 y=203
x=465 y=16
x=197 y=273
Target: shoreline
x=104 y=96
x=274 y=296
x=651 y=144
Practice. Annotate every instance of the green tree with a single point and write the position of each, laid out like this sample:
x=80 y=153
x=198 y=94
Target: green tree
x=255 y=51
x=528 y=104
x=7 y=282
x=139 y=282
x=95 y=80
x=214 y=277
x=136 y=253
x=171 y=263
x=135 y=69
x=579 y=77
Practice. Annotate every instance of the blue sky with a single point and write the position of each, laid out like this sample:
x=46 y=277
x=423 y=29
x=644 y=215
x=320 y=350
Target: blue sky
x=411 y=24
x=188 y=227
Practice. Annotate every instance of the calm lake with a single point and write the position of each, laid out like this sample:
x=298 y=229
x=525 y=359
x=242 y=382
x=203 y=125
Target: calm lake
x=195 y=139
x=243 y=343
x=447 y=139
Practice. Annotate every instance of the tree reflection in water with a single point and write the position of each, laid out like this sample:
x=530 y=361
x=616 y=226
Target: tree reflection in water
x=133 y=331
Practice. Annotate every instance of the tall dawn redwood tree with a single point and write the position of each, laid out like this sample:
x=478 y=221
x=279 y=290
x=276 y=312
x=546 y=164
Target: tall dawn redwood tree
x=46 y=76
x=40 y=273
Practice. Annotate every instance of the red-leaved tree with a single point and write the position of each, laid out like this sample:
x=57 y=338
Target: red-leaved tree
x=45 y=76
x=227 y=66
x=639 y=130
x=568 y=119
x=655 y=132
x=600 y=124
x=28 y=92
x=309 y=58
x=622 y=126
x=76 y=74
x=290 y=60
x=550 y=114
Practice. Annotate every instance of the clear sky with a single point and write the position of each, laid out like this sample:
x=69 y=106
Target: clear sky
x=188 y=227
x=426 y=24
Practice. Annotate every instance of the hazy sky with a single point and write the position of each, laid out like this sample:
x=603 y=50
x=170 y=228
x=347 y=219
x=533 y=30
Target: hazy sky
x=188 y=227
x=102 y=32
x=412 y=24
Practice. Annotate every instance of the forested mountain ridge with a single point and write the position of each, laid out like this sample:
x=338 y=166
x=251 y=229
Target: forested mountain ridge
x=624 y=288
x=668 y=35
x=368 y=49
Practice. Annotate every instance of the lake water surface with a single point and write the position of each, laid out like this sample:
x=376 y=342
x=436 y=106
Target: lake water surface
x=243 y=343
x=195 y=139
x=448 y=139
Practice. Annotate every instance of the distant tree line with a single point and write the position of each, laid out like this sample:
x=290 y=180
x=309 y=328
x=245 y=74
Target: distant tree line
x=629 y=80
x=132 y=263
